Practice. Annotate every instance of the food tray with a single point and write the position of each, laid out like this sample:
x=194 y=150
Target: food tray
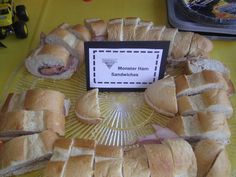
x=126 y=115
x=180 y=17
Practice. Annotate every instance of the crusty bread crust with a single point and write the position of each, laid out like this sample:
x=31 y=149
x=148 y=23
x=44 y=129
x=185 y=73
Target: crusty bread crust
x=199 y=82
x=135 y=163
x=206 y=152
x=200 y=46
x=160 y=160
x=43 y=99
x=181 y=44
x=108 y=151
x=81 y=32
x=161 y=95
x=184 y=163
x=87 y=107
x=115 y=30
x=129 y=28
x=55 y=50
x=142 y=30
x=154 y=33
x=97 y=27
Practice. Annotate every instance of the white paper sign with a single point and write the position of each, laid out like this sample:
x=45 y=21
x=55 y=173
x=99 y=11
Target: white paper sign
x=123 y=68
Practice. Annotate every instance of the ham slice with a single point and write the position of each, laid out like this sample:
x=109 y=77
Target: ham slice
x=160 y=134
x=57 y=69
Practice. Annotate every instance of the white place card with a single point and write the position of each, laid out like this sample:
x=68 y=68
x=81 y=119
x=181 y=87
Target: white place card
x=124 y=66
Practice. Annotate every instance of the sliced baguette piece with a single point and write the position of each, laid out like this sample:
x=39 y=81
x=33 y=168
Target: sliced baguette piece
x=221 y=166
x=199 y=82
x=79 y=166
x=183 y=157
x=161 y=96
x=65 y=38
x=24 y=151
x=87 y=108
x=160 y=160
x=136 y=163
x=25 y=122
x=201 y=126
x=206 y=152
x=54 y=168
x=154 y=33
x=169 y=35
x=181 y=44
x=37 y=99
x=51 y=61
x=115 y=29
x=108 y=161
x=97 y=28
x=215 y=100
x=83 y=147
x=200 y=46
x=142 y=29
x=44 y=99
x=129 y=28
x=62 y=149
x=198 y=65
x=81 y=32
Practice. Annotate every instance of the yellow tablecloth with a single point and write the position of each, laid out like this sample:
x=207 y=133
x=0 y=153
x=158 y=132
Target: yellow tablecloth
x=46 y=14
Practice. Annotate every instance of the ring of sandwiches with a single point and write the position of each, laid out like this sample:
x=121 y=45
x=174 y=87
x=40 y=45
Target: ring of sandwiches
x=193 y=144
x=61 y=50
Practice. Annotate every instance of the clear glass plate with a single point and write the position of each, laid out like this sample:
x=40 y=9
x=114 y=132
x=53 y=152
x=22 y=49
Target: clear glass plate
x=126 y=115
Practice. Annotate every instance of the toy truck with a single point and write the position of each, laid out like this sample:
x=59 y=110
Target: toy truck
x=13 y=19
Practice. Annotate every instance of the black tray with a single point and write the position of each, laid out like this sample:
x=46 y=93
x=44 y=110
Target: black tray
x=179 y=16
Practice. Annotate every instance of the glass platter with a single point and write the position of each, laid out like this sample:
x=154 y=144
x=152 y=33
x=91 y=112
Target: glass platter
x=126 y=115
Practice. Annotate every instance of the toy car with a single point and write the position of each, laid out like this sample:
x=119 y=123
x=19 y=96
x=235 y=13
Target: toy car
x=12 y=20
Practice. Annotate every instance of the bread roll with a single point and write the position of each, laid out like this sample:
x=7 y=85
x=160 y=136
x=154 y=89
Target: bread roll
x=37 y=100
x=201 y=126
x=129 y=28
x=63 y=37
x=169 y=35
x=212 y=159
x=54 y=168
x=72 y=157
x=198 y=65
x=108 y=161
x=97 y=28
x=160 y=160
x=199 y=82
x=81 y=32
x=214 y=100
x=42 y=99
x=51 y=61
x=183 y=157
x=26 y=151
x=27 y=122
x=115 y=29
x=142 y=29
x=221 y=167
x=206 y=152
x=181 y=44
x=161 y=95
x=154 y=33
x=136 y=163
x=87 y=108
x=200 y=46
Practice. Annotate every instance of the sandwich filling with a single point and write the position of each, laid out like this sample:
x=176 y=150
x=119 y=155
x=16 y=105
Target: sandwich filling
x=48 y=70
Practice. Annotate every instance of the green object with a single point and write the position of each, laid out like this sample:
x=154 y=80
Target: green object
x=2 y=45
x=13 y=19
